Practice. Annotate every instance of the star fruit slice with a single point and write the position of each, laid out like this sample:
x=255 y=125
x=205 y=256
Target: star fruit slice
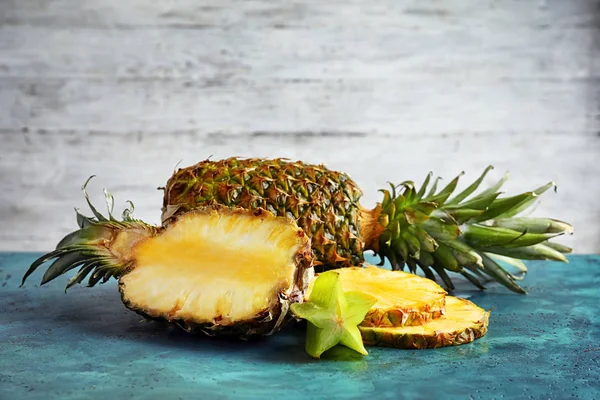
x=333 y=315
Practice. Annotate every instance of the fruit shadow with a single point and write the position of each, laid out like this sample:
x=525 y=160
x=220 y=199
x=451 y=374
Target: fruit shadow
x=98 y=313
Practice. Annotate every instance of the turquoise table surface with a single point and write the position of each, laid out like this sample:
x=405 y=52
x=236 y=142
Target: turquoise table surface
x=86 y=345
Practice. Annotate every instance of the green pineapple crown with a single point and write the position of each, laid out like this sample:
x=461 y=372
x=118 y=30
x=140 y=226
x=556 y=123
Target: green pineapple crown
x=92 y=247
x=469 y=235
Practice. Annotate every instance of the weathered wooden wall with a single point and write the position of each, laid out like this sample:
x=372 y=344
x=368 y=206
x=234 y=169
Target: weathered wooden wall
x=385 y=90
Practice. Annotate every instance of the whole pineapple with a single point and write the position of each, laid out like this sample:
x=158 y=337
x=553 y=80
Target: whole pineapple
x=411 y=226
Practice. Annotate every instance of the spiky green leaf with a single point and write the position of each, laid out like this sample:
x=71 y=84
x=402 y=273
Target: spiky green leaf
x=62 y=265
x=421 y=191
x=493 y=189
x=526 y=203
x=473 y=280
x=536 y=252
x=559 y=247
x=469 y=190
x=441 y=230
x=493 y=269
x=97 y=214
x=446 y=192
x=439 y=269
x=464 y=254
x=481 y=237
x=533 y=225
x=444 y=257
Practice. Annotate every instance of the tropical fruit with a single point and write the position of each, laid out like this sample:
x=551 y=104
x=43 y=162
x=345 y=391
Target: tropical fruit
x=462 y=323
x=406 y=311
x=403 y=299
x=333 y=315
x=414 y=227
x=217 y=270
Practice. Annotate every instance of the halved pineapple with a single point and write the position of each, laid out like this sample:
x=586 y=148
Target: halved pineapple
x=403 y=299
x=462 y=323
x=216 y=270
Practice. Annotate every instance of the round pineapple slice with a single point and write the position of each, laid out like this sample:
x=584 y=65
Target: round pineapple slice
x=403 y=299
x=462 y=323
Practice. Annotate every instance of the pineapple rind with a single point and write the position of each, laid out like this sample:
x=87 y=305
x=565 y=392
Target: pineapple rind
x=463 y=323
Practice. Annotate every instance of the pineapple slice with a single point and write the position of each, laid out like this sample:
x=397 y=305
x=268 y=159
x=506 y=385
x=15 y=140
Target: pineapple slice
x=216 y=270
x=403 y=299
x=462 y=323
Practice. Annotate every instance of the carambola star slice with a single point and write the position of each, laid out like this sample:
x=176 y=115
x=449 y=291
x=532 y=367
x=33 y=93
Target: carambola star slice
x=333 y=315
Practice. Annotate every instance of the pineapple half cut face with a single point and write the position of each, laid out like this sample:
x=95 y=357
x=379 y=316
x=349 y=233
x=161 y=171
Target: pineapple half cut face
x=220 y=271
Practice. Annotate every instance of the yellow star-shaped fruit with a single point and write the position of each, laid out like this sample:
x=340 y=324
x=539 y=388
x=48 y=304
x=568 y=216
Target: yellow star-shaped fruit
x=333 y=315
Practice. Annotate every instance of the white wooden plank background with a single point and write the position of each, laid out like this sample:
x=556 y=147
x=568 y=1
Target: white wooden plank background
x=385 y=90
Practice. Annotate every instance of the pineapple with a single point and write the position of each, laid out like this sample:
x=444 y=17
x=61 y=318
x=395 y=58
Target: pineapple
x=462 y=323
x=217 y=270
x=402 y=299
x=415 y=227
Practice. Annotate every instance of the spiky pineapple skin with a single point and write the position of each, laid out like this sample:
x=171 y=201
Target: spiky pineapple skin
x=324 y=203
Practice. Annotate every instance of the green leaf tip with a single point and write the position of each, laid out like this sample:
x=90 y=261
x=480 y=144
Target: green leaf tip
x=333 y=315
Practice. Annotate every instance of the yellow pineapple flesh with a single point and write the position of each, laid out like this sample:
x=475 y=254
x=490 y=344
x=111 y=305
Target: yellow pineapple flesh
x=403 y=299
x=462 y=323
x=228 y=269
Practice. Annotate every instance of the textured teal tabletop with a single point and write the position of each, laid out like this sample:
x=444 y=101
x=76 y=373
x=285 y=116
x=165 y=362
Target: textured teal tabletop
x=86 y=345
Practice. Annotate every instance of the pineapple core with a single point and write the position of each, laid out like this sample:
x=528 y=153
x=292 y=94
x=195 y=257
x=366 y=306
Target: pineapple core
x=214 y=267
